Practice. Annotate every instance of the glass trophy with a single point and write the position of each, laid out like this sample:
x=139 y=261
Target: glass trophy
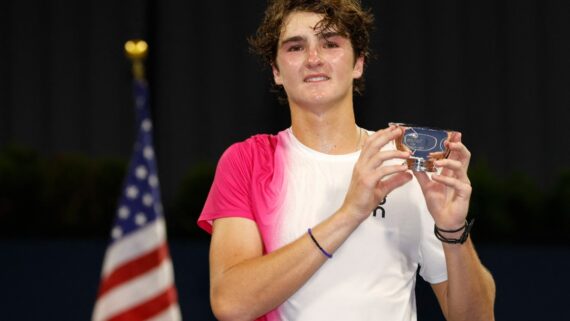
x=426 y=145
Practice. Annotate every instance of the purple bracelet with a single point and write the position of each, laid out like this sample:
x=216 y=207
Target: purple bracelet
x=327 y=254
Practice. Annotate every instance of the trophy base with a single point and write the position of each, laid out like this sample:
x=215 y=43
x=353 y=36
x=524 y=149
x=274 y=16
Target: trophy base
x=421 y=165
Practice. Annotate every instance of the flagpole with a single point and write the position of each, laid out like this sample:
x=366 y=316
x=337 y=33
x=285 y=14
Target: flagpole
x=137 y=50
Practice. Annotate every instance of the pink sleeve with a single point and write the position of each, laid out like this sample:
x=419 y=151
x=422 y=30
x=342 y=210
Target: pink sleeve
x=230 y=192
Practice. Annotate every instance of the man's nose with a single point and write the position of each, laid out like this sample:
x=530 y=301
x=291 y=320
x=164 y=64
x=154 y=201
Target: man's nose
x=314 y=57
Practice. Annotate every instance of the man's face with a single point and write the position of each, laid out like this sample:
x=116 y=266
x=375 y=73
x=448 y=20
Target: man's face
x=315 y=67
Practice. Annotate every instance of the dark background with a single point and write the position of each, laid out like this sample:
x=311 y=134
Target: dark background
x=496 y=70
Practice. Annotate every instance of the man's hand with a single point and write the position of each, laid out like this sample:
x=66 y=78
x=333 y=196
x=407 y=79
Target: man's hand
x=447 y=194
x=372 y=180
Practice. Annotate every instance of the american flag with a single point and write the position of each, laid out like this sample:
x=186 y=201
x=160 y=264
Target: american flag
x=137 y=281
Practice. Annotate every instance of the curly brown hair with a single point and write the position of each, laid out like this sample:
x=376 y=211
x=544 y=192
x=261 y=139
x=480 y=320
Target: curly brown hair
x=345 y=16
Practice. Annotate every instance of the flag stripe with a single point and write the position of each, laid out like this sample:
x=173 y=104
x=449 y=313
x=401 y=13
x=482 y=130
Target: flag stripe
x=148 y=309
x=131 y=293
x=135 y=244
x=134 y=268
x=170 y=314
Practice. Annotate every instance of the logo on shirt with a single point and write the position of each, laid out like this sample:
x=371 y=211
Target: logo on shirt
x=380 y=208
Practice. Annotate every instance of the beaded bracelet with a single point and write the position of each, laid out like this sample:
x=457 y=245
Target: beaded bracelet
x=327 y=254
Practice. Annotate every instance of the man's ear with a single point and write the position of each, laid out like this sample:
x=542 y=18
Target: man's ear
x=276 y=74
x=358 y=69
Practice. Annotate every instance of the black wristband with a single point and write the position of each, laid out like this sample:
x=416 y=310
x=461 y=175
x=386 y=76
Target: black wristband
x=466 y=229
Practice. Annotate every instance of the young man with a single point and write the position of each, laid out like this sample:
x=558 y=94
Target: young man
x=297 y=232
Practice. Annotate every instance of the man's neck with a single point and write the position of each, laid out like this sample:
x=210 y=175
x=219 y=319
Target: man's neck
x=328 y=130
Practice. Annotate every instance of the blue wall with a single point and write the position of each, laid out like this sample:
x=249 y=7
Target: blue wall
x=58 y=280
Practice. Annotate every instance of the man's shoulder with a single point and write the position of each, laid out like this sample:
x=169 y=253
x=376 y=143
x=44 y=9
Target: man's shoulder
x=255 y=148
x=254 y=144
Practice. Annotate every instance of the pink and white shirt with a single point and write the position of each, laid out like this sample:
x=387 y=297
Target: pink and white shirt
x=286 y=187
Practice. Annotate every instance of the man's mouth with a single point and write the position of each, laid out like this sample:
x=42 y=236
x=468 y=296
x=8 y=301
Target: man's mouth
x=316 y=78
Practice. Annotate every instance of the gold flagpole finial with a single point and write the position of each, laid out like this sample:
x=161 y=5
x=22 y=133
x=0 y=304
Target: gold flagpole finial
x=136 y=51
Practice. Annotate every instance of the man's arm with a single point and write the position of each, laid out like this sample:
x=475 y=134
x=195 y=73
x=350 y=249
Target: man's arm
x=469 y=292
x=246 y=284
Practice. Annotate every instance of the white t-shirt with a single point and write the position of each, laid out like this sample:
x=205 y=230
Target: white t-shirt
x=287 y=187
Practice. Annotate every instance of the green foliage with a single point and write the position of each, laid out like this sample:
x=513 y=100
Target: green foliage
x=488 y=205
x=82 y=193
x=187 y=206
x=72 y=195
x=514 y=209
x=557 y=222
x=65 y=195
x=21 y=187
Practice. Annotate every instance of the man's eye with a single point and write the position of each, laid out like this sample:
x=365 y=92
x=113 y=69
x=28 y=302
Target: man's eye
x=330 y=44
x=295 y=48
